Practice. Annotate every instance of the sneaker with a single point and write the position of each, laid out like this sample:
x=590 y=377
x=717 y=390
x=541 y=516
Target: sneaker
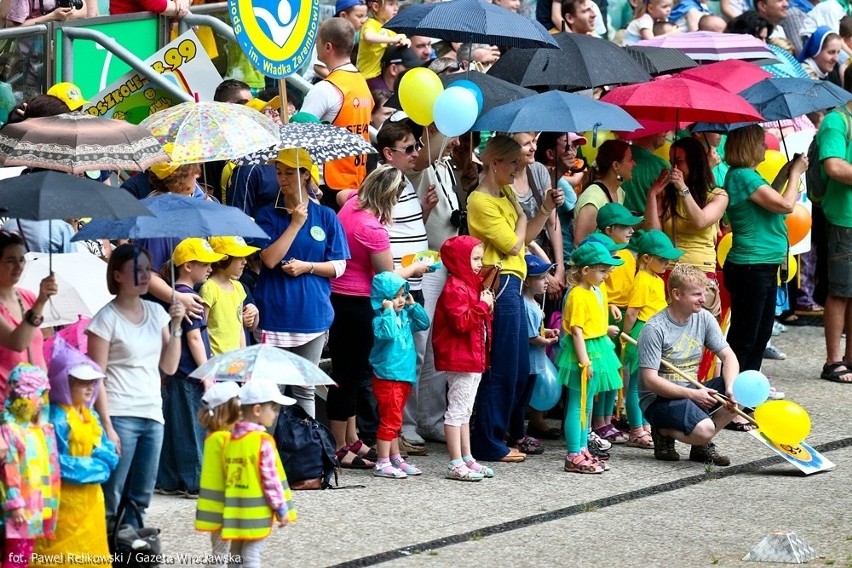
x=189 y=494
x=708 y=453
x=477 y=467
x=777 y=329
x=775 y=394
x=593 y=438
x=161 y=491
x=406 y=467
x=597 y=451
x=772 y=352
x=388 y=470
x=412 y=448
x=462 y=473
x=611 y=434
x=664 y=447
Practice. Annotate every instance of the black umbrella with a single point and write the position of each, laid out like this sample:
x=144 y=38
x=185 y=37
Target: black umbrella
x=495 y=92
x=584 y=62
x=471 y=21
x=660 y=60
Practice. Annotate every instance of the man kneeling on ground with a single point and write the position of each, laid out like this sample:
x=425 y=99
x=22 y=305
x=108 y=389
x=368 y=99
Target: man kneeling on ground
x=676 y=409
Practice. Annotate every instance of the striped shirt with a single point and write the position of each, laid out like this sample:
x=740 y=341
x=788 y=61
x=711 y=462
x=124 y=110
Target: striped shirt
x=407 y=232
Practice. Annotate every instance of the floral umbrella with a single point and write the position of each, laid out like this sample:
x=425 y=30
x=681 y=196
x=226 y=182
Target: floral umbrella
x=323 y=142
x=210 y=131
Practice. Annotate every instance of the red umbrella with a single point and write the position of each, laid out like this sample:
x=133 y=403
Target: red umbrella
x=731 y=75
x=682 y=100
x=651 y=127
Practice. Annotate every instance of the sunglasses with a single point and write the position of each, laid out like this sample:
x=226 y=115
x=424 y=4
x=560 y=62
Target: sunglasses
x=408 y=150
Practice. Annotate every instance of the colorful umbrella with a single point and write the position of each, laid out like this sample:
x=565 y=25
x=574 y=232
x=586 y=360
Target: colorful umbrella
x=323 y=142
x=210 y=131
x=76 y=142
x=583 y=62
x=681 y=100
x=706 y=47
x=471 y=21
x=660 y=60
x=788 y=65
x=262 y=362
x=731 y=75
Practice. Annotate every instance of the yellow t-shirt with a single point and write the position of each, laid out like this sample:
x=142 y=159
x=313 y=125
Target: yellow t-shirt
x=225 y=320
x=369 y=60
x=698 y=245
x=492 y=220
x=648 y=294
x=620 y=279
x=586 y=309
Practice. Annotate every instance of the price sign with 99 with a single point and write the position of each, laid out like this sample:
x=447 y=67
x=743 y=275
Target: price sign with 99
x=176 y=56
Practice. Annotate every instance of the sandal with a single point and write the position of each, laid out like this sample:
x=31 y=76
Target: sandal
x=740 y=426
x=835 y=372
x=530 y=445
x=463 y=473
x=355 y=462
x=601 y=461
x=477 y=467
x=364 y=451
x=578 y=463
x=389 y=471
x=640 y=438
x=406 y=467
x=611 y=434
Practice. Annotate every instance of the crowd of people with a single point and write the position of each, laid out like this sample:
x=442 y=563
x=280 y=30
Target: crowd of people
x=442 y=276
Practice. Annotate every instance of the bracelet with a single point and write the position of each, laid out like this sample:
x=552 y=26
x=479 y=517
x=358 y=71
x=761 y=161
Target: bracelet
x=312 y=268
x=544 y=210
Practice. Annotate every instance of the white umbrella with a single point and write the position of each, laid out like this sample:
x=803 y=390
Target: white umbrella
x=81 y=277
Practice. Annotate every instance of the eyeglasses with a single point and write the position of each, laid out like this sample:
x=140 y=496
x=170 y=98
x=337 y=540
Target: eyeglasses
x=408 y=150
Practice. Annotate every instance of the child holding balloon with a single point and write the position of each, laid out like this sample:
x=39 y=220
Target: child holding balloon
x=461 y=341
x=647 y=297
x=587 y=361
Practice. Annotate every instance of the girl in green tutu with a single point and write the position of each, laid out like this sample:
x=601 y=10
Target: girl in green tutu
x=647 y=297
x=587 y=361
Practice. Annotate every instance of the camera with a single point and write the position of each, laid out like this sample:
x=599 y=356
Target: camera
x=459 y=220
x=76 y=4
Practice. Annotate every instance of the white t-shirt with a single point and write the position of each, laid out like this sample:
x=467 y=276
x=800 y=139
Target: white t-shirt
x=635 y=27
x=826 y=13
x=133 y=364
x=407 y=232
x=324 y=100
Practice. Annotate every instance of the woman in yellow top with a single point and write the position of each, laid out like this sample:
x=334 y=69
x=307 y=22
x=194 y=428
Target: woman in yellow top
x=587 y=362
x=647 y=297
x=495 y=218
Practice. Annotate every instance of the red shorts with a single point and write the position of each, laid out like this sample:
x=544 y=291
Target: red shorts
x=391 y=397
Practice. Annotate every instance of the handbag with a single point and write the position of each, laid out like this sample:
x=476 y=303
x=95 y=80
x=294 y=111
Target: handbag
x=133 y=547
x=490 y=274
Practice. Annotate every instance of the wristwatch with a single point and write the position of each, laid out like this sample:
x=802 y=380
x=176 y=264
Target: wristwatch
x=683 y=192
x=33 y=318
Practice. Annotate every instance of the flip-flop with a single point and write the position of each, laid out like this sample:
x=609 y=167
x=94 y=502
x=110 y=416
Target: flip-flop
x=740 y=426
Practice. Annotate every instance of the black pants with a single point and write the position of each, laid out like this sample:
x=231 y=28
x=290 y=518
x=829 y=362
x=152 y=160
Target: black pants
x=350 y=340
x=753 y=293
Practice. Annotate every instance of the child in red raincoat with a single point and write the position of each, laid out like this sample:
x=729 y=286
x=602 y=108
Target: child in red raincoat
x=461 y=340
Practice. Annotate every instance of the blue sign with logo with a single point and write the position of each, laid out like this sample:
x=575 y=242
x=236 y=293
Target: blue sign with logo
x=277 y=36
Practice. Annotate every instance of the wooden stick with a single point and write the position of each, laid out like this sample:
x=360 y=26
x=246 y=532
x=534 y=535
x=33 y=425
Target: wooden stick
x=697 y=384
x=282 y=92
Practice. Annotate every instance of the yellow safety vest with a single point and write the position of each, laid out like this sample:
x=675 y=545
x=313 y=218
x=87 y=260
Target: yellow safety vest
x=247 y=515
x=211 y=494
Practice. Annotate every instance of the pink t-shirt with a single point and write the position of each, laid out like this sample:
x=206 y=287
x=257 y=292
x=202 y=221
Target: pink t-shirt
x=366 y=237
x=9 y=359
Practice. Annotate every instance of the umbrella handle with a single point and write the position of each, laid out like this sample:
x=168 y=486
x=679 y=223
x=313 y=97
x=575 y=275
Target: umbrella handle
x=678 y=372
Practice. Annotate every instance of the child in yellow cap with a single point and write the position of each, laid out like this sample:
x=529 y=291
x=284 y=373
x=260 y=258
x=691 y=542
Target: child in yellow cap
x=224 y=296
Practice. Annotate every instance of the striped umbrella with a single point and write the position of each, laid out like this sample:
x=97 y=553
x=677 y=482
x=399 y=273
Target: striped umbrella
x=706 y=47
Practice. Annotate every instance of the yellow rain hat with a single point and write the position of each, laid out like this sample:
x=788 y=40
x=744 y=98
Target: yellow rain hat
x=69 y=93
x=195 y=249
x=232 y=246
x=297 y=158
x=164 y=169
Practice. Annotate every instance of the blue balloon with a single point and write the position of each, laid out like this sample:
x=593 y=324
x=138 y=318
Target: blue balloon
x=751 y=388
x=473 y=88
x=547 y=389
x=455 y=111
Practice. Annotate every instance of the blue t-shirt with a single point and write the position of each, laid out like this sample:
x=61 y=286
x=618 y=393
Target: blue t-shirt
x=187 y=364
x=252 y=188
x=300 y=304
x=535 y=318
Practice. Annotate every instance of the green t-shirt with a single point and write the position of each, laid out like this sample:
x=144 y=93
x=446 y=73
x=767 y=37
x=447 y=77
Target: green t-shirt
x=646 y=170
x=837 y=203
x=760 y=236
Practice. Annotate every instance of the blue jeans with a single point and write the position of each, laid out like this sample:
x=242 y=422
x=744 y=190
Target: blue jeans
x=502 y=389
x=183 y=436
x=136 y=473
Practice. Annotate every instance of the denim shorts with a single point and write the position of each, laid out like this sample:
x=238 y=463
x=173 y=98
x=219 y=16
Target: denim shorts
x=680 y=414
x=839 y=261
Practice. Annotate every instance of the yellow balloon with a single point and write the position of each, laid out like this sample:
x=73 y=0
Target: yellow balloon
x=772 y=163
x=418 y=91
x=783 y=421
x=663 y=151
x=724 y=247
x=792 y=268
x=591 y=152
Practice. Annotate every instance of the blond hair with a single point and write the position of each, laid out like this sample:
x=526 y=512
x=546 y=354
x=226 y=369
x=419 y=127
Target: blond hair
x=683 y=275
x=743 y=149
x=223 y=417
x=380 y=191
x=500 y=147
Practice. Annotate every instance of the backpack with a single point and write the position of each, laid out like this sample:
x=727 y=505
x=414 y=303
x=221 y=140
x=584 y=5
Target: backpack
x=306 y=448
x=132 y=547
x=815 y=178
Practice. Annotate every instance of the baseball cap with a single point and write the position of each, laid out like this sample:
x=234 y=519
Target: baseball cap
x=69 y=93
x=220 y=393
x=259 y=391
x=605 y=240
x=616 y=214
x=574 y=138
x=297 y=158
x=657 y=243
x=342 y=5
x=85 y=372
x=232 y=246
x=402 y=56
x=536 y=266
x=195 y=249
x=593 y=253
x=260 y=105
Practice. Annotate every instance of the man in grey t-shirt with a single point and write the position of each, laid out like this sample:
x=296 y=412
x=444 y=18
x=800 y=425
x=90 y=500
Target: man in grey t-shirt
x=676 y=409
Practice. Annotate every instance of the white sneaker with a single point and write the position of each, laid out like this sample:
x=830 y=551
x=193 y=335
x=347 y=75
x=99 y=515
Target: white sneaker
x=772 y=352
x=775 y=394
x=605 y=445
